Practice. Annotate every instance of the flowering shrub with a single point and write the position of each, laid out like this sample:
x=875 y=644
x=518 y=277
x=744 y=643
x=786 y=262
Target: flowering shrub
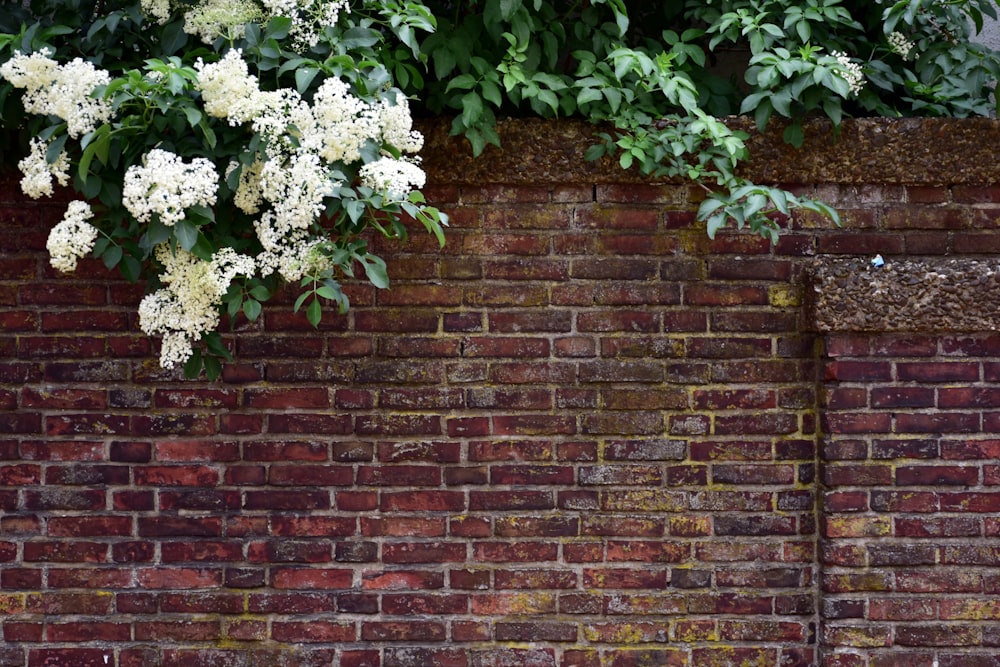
x=221 y=148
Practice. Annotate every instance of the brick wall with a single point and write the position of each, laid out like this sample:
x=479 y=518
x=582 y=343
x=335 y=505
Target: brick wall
x=580 y=435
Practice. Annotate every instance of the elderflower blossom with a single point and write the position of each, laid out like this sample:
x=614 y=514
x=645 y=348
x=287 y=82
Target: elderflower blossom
x=188 y=304
x=283 y=116
x=215 y=18
x=309 y=17
x=159 y=10
x=296 y=190
x=850 y=71
x=343 y=122
x=228 y=90
x=900 y=45
x=248 y=196
x=38 y=171
x=65 y=91
x=293 y=256
x=395 y=177
x=72 y=238
x=165 y=185
x=397 y=126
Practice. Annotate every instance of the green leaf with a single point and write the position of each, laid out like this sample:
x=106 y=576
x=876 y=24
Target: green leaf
x=314 y=312
x=194 y=116
x=794 y=135
x=186 y=234
x=251 y=308
x=304 y=76
x=55 y=148
x=213 y=368
x=595 y=152
x=173 y=37
x=112 y=256
x=462 y=82
x=193 y=365
x=260 y=293
x=472 y=108
x=375 y=270
x=130 y=268
x=491 y=92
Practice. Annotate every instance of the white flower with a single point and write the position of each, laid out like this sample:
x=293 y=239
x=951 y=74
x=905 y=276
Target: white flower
x=65 y=91
x=394 y=177
x=215 y=18
x=850 y=71
x=248 y=197
x=281 y=115
x=159 y=10
x=343 y=122
x=397 y=126
x=35 y=71
x=228 y=89
x=188 y=304
x=309 y=17
x=72 y=238
x=295 y=189
x=900 y=45
x=165 y=185
x=38 y=171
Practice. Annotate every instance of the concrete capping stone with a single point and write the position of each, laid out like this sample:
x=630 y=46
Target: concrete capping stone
x=907 y=151
x=905 y=295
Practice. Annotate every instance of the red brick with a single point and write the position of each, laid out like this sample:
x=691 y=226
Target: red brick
x=70 y=657
x=313 y=631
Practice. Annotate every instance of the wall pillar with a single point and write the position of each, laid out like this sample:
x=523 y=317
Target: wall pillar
x=910 y=473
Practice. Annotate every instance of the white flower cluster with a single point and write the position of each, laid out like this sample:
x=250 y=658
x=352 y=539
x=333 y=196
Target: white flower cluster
x=165 y=185
x=851 y=71
x=210 y=19
x=38 y=171
x=248 y=197
x=65 y=91
x=397 y=126
x=901 y=46
x=228 y=90
x=394 y=177
x=309 y=17
x=188 y=304
x=72 y=238
x=214 y=18
x=343 y=122
x=159 y=10
x=304 y=146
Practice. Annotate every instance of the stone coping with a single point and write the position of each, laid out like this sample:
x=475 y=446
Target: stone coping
x=905 y=295
x=884 y=151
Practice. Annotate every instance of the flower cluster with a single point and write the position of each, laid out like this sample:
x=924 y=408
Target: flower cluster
x=901 y=46
x=228 y=90
x=65 y=91
x=72 y=238
x=187 y=305
x=310 y=17
x=165 y=185
x=210 y=19
x=394 y=177
x=152 y=140
x=851 y=71
x=305 y=148
x=213 y=18
x=38 y=171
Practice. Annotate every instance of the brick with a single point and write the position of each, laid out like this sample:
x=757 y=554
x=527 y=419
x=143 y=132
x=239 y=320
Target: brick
x=938 y=635
x=70 y=657
x=313 y=631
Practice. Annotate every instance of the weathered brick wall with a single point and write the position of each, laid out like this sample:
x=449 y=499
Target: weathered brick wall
x=581 y=434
